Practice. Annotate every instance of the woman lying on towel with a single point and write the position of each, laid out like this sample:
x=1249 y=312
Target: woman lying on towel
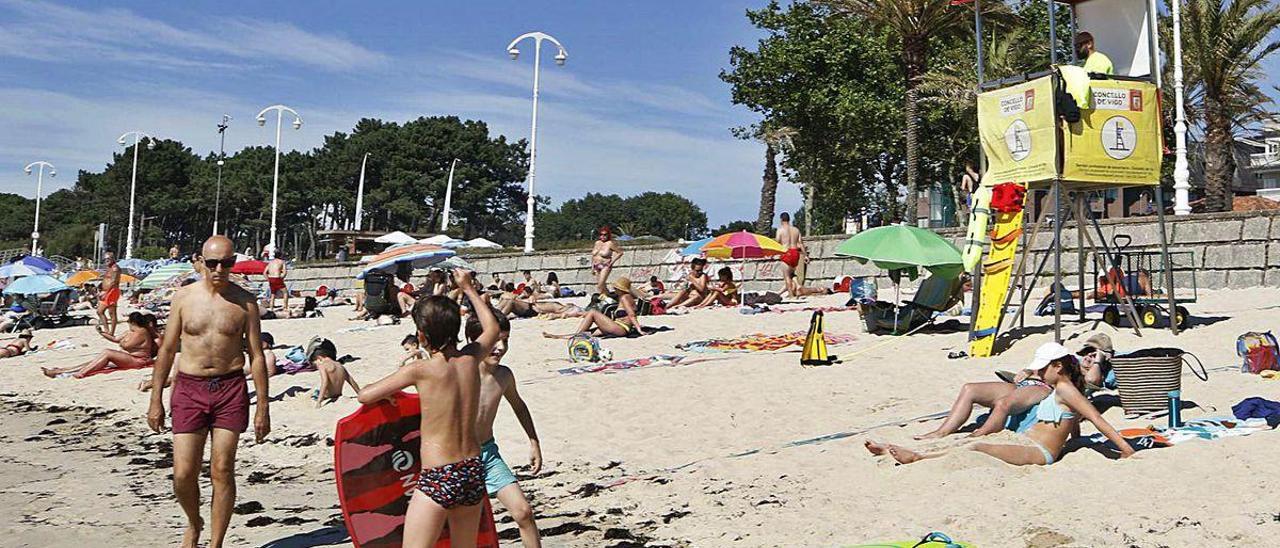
x=138 y=348
x=1057 y=418
x=18 y=347
x=600 y=323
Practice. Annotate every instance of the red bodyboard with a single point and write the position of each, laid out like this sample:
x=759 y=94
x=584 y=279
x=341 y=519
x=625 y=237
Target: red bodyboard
x=375 y=461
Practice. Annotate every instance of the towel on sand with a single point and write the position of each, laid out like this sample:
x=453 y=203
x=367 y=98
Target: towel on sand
x=660 y=360
x=760 y=342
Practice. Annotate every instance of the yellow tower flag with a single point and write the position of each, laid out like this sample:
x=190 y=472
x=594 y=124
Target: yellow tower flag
x=815 y=344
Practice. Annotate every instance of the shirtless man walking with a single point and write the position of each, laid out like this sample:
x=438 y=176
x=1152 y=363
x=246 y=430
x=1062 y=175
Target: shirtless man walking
x=276 y=272
x=215 y=322
x=794 y=259
x=110 y=295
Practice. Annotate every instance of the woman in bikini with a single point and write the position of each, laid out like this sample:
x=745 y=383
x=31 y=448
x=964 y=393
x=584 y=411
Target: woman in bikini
x=138 y=348
x=1057 y=419
x=602 y=324
x=604 y=254
x=18 y=347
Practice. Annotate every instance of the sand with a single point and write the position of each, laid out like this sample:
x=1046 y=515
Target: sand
x=654 y=456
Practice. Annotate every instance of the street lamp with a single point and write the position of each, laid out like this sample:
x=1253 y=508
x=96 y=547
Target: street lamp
x=360 y=192
x=275 y=185
x=222 y=155
x=514 y=52
x=1181 y=172
x=448 y=198
x=138 y=136
x=53 y=172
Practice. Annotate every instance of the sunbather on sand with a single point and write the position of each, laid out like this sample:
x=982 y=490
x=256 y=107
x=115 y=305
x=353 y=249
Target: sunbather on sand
x=1004 y=399
x=598 y=322
x=18 y=346
x=696 y=287
x=137 y=349
x=1057 y=420
x=332 y=375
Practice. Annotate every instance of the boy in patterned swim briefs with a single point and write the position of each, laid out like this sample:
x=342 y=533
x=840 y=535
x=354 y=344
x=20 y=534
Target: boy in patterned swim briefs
x=497 y=382
x=451 y=486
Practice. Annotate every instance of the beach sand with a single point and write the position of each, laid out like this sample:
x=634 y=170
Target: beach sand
x=691 y=455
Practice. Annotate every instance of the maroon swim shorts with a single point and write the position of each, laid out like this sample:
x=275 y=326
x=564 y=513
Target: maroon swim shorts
x=205 y=403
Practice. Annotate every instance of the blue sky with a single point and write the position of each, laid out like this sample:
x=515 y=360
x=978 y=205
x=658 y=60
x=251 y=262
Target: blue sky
x=638 y=107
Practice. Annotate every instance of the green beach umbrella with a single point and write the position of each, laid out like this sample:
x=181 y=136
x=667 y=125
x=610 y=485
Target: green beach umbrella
x=161 y=275
x=903 y=249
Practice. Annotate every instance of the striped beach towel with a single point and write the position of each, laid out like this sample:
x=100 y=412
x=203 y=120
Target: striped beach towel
x=760 y=342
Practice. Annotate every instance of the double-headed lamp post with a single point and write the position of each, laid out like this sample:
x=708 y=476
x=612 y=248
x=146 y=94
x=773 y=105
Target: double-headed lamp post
x=538 y=38
x=275 y=184
x=53 y=172
x=138 y=136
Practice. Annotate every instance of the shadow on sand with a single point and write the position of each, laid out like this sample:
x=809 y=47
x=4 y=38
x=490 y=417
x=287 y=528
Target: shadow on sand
x=328 y=536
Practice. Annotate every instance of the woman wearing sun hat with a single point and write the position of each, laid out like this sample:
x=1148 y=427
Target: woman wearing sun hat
x=599 y=323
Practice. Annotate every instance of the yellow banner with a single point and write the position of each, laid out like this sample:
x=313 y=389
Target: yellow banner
x=1117 y=140
x=1016 y=126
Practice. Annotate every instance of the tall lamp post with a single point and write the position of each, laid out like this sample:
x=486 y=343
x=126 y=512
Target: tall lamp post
x=275 y=184
x=538 y=38
x=53 y=172
x=222 y=155
x=448 y=198
x=360 y=193
x=1181 y=172
x=138 y=136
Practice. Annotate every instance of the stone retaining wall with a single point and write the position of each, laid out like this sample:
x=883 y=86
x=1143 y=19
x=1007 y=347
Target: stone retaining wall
x=1237 y=250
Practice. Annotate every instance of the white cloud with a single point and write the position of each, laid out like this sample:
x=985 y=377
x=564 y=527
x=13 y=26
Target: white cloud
x=53 y=33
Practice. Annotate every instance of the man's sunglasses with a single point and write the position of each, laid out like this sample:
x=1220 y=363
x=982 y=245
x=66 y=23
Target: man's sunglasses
x=212 y=264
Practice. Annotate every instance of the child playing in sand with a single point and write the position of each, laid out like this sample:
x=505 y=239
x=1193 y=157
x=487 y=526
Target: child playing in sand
x=497 y=382
x=413 y=352
x=332 y=374
x=452 y=483
x=1056 y=419
x=724 y=293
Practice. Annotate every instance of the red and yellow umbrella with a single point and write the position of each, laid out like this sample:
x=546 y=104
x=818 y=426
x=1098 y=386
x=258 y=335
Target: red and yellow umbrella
x=742 y=245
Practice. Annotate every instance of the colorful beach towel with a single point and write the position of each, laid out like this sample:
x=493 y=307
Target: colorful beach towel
x=660 y=360
x=760 y=342
x=1213 y=428
x=762 y=309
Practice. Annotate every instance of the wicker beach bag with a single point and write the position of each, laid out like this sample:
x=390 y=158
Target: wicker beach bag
x=1146 y=377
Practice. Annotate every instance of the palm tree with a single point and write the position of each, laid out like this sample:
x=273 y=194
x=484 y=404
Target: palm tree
x=1224 y=44
x=774 y=138
x=915 y=23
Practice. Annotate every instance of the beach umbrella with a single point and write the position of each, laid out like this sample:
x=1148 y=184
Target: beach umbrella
x=20 y=269
x=38 y=262
x=903 y=249
x=396 y=237
x=483 y=243
x=136 y=266
x=695 y=248
x=417 y=255
x=38 y=284
x=443 y=240
x=455 y=262
x=83 y=277
x=249 y=267
x=742 y=245
x=163 y=274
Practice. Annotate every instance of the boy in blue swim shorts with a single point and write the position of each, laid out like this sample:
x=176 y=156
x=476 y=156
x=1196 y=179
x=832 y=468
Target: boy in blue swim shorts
x=497 y=382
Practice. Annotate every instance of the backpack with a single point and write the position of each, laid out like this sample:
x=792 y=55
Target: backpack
x=317 y=343
x=1259 y=352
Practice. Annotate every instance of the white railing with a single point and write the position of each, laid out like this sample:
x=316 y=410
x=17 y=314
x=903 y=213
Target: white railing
x=1264 y=159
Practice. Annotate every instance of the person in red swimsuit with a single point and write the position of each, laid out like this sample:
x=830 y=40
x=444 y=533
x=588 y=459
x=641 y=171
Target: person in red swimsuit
x=110 y=295
x=276 y=272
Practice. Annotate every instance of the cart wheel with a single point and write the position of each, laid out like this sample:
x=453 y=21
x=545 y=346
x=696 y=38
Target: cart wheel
x=1111 y=316
x=1149 y=316
x=1183 y=317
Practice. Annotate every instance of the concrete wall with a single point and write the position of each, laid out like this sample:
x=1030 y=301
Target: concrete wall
x=1239 y=249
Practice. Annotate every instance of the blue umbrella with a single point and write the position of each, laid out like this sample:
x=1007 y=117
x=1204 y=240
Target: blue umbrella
x=139 y=267
x=695 y=248
x=39 y=284
x=39 y=262
x=19 y=269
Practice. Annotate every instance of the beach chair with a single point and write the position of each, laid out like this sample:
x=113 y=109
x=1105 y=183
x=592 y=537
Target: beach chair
x=936 y=294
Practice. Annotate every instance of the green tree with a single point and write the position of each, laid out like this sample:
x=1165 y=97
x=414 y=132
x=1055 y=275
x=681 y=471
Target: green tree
x=664 y=215
x=1224 y=45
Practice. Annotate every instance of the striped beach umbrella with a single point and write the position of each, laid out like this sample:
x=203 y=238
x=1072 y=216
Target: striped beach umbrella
x=742 y=245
